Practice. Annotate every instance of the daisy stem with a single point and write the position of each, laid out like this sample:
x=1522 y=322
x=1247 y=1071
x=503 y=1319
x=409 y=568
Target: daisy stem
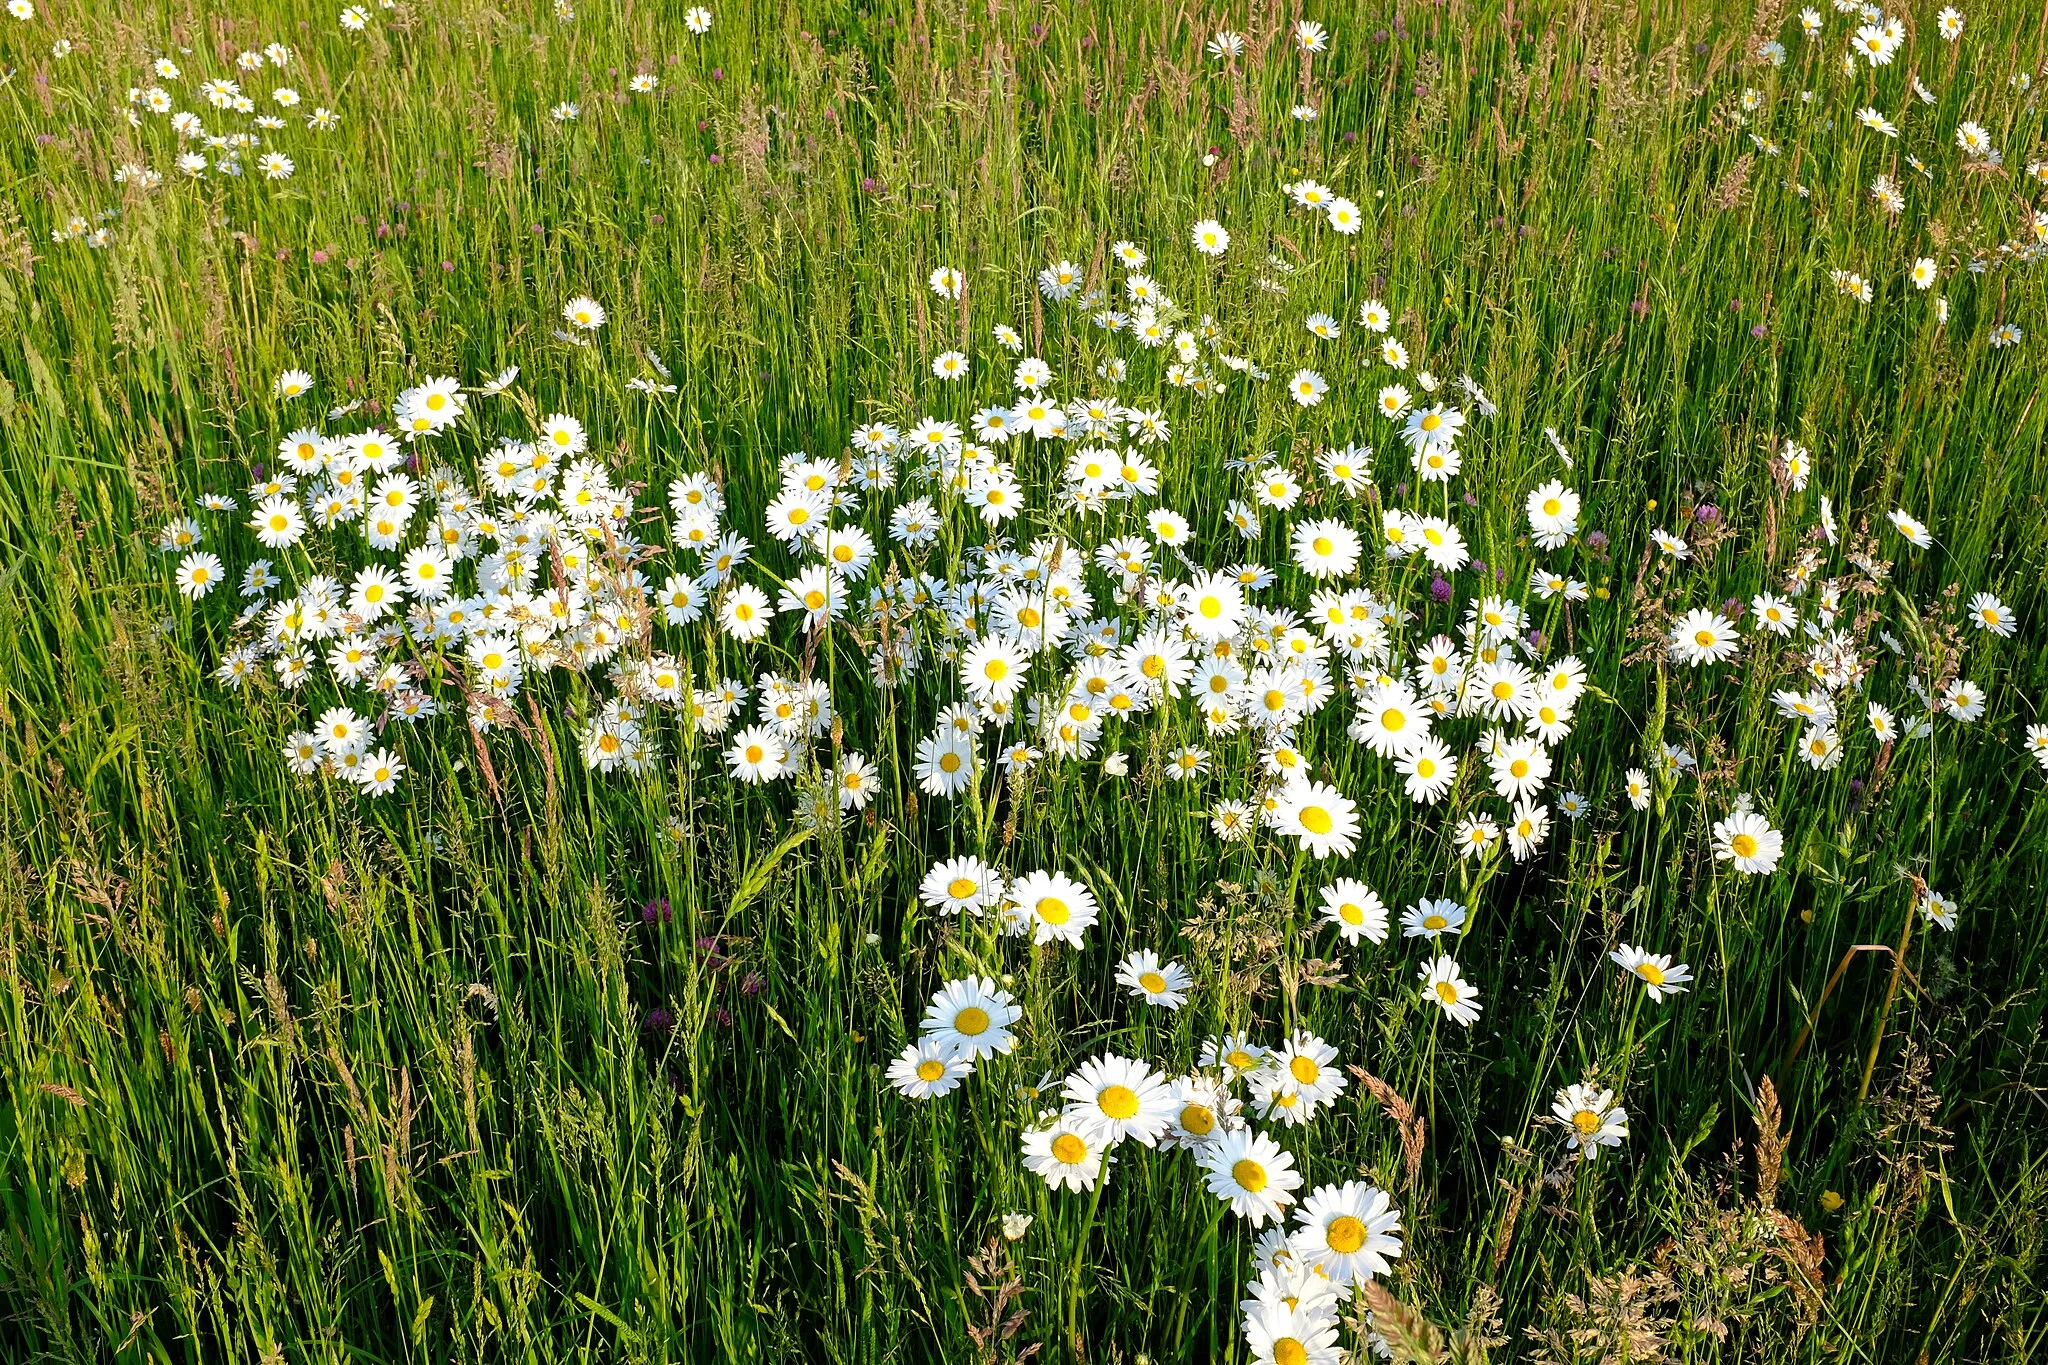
x=1721 y=948
x=1291 y=981
x=1080 y=1255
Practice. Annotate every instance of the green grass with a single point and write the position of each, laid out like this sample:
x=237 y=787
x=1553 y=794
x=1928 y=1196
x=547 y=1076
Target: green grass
x=293 y=1074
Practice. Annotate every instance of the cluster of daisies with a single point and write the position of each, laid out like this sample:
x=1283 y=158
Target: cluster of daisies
x=1045 y=651
x=1863 y=679
x=1874 y=42
x=1313 y=1248
x=1340 y=1234
x=1019 y=564
x=459 y=599
x=243 y=117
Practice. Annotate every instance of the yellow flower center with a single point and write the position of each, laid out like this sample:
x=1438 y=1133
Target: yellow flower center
x=1153 y=982
x=1316 y=820
x=972 y=1021
x=1118 y=1101
x=1345 y=1234
x=1069 y=1149
x=1305 y=1070
x=1249 y=1175
x=1744 y=845
x=1053 y=910
x=1198 y=1119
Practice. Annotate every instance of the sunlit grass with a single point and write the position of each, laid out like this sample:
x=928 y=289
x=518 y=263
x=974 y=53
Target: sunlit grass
x=293 y=1073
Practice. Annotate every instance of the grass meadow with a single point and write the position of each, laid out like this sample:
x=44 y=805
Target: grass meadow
x=573 y=1040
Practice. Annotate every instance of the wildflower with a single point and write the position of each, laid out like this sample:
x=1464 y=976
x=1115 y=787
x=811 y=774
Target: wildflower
x=1307 y=388
x=972 y=1018
x=1225 y=45
x=1433 y=918
x=1748 y=842
x=1052 y=907
x=1875 y=44
x=1656 y=971
x=1553 y=513
x=1702 y=637
x=1321 y=817
x=1120 y=1098
x=1277 y=1331
x=1989 y=614
x=1591 y=1119
x=1458 y=998
x=1350 y=1232
x=1355 y=909
x=1914 y=530
x=1156 y=983
x=1211 y=237
x=1253 y=1174
x=199 y=572
x=928 y=1069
